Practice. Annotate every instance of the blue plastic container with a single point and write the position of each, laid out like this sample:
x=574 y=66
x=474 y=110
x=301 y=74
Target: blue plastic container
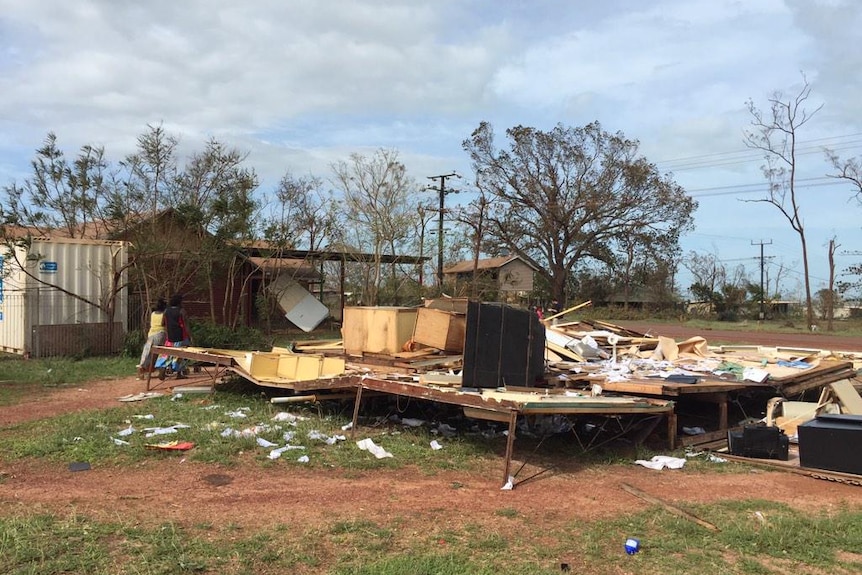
x=632 y=545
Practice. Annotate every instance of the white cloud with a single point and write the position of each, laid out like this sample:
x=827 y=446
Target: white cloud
x=303 y=83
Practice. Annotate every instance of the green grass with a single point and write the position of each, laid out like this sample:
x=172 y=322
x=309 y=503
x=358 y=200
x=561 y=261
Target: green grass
x=509 y=541
x=27 y=377
x=784 y=541
x=211 y=422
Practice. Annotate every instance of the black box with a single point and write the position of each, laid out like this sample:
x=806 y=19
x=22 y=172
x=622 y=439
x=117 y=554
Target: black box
x=759 y=441
x=503 y=346
x=833 y=442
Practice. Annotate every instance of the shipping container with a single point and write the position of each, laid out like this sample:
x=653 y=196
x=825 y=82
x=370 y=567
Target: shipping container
x=63 y=297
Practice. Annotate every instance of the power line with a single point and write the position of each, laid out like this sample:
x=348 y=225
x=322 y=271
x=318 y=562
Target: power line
x=750 y=154
x=756 y=191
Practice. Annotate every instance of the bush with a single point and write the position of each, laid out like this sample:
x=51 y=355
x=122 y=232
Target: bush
x=133 y=343
x=207 y=334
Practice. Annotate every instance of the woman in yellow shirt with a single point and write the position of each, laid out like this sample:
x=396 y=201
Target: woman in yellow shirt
x=156 y=336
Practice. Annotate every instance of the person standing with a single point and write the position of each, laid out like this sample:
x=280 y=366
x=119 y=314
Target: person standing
x=156 y=336
x=177 y=327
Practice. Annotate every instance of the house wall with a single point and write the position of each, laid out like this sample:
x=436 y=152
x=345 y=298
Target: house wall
x=516 y=276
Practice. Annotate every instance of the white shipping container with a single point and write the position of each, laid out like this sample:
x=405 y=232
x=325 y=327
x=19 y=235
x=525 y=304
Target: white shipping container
x=52 y=292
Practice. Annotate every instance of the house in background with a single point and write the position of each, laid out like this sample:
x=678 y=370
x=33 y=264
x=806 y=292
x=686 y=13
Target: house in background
x=507 y=279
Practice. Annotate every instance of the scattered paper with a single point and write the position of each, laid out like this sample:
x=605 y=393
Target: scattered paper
x=755 y=374
x=659 y=462
x=139 y=396
x=368 y=445
x=435 y=445
x=286 y=417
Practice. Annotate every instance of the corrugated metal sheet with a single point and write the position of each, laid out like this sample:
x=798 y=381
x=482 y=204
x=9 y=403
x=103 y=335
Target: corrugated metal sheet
x=62 y=281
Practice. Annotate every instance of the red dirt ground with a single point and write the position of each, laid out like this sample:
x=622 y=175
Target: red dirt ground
x=192 y=493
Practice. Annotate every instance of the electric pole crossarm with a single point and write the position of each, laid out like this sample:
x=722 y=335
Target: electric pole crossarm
x=442 y=195
x=761 y=243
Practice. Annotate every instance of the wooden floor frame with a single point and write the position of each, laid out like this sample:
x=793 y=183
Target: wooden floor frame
x=480 y=404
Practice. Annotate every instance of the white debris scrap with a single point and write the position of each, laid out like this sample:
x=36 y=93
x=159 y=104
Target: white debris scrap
x=368 y=445
x=659 y=462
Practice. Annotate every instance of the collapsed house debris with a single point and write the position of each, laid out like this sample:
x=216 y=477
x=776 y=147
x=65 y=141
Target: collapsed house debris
x=498 y=363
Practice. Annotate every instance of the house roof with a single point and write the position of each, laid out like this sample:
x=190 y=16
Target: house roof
x=263 y=247
x=484 y=264
x=297 y=269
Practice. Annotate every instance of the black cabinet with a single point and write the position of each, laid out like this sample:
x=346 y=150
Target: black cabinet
x=503 y=346
x=832 y=442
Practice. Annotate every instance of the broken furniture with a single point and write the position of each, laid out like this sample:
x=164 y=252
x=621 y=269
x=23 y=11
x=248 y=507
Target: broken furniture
x=760 y=441
x=381 y=329
x=213 y=363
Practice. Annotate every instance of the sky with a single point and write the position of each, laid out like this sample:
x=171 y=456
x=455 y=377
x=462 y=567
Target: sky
x=300 y=84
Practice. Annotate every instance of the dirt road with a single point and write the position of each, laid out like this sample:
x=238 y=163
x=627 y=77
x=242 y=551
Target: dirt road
x=753 y=336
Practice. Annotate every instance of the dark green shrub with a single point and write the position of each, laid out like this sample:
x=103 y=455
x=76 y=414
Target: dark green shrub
x=207 y=334
x=133 y=343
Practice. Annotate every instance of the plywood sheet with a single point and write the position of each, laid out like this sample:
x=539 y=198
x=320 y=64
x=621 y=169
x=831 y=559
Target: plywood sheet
x=377 y=329
x=440 y=329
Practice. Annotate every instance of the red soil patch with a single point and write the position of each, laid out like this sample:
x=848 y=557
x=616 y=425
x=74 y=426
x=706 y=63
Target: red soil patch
x=193 y=493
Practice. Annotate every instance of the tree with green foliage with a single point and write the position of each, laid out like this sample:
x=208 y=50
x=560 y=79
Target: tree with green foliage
x=571 y=198
x=171 y=211
x=69 y=199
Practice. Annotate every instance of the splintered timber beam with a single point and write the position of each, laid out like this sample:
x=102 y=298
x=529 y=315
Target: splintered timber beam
x=672 y=508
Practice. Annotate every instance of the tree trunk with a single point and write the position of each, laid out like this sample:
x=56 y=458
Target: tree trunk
x=809 y=308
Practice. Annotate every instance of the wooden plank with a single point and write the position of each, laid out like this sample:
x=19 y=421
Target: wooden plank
x=703 y=438
x=564 y=352
x=443 y=360
x=568 y=310
x=476 y=413
x=319 y=344
x=817 y=377
x=377 y=329
x=443 y=379
x=414 y=354
x=672 y=508
x=440 y=329
x=847 y=396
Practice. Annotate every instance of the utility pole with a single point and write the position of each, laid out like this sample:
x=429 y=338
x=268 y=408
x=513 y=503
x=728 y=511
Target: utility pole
x=761 y=243
x=442 y=192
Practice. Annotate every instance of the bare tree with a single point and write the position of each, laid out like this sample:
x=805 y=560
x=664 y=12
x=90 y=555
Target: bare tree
x=707 y=271
x=849 y=169
x=376 y=211
x=561 y=198
x=775 y=134
x=302 y=216
x=830 y=302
